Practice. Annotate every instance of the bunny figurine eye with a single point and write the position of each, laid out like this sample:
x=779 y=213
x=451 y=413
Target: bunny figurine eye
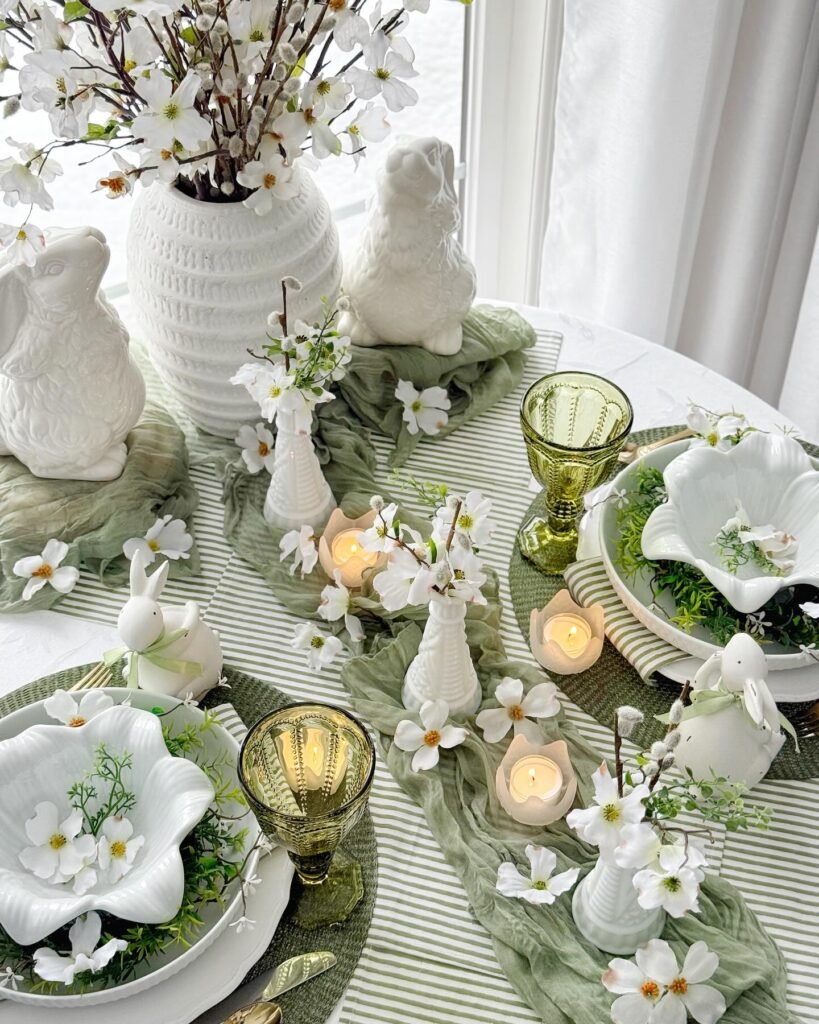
x=55 y=268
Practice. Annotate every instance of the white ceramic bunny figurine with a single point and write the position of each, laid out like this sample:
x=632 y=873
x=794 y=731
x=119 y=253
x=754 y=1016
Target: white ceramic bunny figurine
x=172 y=650
x=740 y=739
x=69 y=390
x=408 y=281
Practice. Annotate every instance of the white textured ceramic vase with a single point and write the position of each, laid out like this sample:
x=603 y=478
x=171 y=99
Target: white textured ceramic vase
x=442 y=669
x=205 y=276
x=298 y=493
x=607 y=913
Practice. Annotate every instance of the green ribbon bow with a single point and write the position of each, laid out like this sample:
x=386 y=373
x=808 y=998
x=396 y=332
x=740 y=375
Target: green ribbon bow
x=709 y=702
x=190 y=669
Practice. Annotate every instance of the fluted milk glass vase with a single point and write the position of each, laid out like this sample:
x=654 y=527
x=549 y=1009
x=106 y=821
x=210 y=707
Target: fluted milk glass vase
x=607 y=913
x=442 y=669
x=298 y=493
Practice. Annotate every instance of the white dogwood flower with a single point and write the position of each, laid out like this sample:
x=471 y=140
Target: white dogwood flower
x=168 y=537
x=384 y=71
x=423 y=410
x=84 y=935
x=655 y=991
x=301 y=544
x=673 y=882
x=21 y=245
x=271 y=178
x=24 y=180
x=59 y=852
x=326 y=96
x=369 y=124
x=119 y=181
x=395 y=584
x=516 y=710
x=336 y=602
x=601 y=824
x=45 y=568
x=171 y=114
x=321 y=649
x=75 y=712
x=117 y=847
x=720 y=431
x=427 y=738
x=778 y=547
x=349 y=29
x=473 y=524
x=542 y=886
x=257 y=444
x=811 y=609
x=465 y=576
x=382 y=536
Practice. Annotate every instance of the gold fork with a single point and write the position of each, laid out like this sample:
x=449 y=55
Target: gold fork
x=99 y=676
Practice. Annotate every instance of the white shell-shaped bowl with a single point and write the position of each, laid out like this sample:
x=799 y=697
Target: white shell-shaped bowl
x=218 y=746
x=773 y=478
x=171 y=793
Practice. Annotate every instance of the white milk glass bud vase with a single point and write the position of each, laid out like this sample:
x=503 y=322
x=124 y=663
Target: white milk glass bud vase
x=203 y=278
x=607 y=913
x=298 y=493
x=442 y=669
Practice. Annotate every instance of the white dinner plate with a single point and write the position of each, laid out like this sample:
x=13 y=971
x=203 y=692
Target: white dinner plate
x=794 y=675
x=203 y=983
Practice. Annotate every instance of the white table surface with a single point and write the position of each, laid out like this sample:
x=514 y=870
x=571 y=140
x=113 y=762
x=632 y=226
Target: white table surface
x=659 y=383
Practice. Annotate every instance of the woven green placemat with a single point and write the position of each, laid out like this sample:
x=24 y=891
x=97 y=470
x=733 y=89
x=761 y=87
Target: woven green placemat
x=312 y=1005
x=612 y=681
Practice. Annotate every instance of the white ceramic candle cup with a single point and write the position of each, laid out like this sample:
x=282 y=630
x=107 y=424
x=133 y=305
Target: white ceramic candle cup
x=351 y=571
x=549 y=651
x=535 y=810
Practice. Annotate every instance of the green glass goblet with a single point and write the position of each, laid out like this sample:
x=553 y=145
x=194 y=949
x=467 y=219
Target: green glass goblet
x=574 y=424
x=306 y=771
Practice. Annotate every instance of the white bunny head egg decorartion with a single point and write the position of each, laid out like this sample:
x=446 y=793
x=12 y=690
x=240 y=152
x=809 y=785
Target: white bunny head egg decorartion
x=69 y=390
x=408 y=281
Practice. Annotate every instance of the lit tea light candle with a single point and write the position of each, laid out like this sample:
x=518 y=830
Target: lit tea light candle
x=535 y=776
x=350 y=557
x=565 y=637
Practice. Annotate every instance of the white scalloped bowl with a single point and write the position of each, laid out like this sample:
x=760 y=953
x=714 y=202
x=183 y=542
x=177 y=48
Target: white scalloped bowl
x=774 y=479
x=218 y=746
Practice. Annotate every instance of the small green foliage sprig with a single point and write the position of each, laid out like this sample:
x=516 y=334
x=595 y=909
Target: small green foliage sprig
x=214 y=854
x=427 y=493
x=735 y=553
x=697 y=601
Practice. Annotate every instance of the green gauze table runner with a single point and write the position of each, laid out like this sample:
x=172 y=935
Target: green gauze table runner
x=489 y=365
x=95 y=519
x=540 y=950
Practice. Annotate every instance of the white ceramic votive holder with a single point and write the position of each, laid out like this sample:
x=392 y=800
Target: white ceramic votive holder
x=338 y=548
x=554 y=790
x=565 y=637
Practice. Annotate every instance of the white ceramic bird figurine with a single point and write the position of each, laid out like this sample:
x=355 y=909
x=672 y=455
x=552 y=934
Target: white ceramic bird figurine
x=69 y=390
x=408 y=281
x=740 y=739
x=172 y=650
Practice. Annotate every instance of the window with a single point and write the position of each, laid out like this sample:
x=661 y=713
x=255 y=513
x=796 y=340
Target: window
x=438 y=40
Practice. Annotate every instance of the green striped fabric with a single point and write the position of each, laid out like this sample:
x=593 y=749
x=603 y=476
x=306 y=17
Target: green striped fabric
x=589 y=584
x=426 y=959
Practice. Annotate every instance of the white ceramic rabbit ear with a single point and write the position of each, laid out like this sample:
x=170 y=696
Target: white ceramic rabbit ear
x=157 y=581
x=13 y=306
x=139 y=580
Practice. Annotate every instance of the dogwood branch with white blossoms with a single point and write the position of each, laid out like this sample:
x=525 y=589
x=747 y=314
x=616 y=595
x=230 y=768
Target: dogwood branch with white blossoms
x=336 y=603
x=301 y=545
x=257 y=444
x=427 y=738
x=294 y=369
x=321 y=649
x=45 y=568
x=654 y=990
x=720 y=430
x=542 y=886
x=221 y=98
x=424 y=411
x=516 y=710
x=417 y=572
x=168 y=537
x=86 y=954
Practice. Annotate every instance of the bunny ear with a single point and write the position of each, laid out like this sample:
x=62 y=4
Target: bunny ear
x=14 y=304
x=156 y=582
x=138 y=578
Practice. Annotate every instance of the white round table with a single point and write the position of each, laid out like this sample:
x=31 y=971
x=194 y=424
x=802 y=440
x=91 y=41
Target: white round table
x=423 y=942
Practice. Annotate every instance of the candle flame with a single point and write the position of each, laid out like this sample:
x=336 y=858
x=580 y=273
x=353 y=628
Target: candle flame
x=532 y=776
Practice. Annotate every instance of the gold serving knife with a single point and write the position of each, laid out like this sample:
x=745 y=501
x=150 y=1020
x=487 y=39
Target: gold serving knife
x=284 y=977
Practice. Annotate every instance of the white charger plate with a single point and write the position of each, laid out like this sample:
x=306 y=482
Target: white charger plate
x=203 y=983
x=794 y=676
x=215 y=921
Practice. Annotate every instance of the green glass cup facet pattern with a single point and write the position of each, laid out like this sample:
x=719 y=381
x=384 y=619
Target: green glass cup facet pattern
x=574 y=425
x=306 y=771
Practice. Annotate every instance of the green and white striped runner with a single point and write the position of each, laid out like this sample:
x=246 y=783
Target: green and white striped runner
x=589 y=584
x=426 y=959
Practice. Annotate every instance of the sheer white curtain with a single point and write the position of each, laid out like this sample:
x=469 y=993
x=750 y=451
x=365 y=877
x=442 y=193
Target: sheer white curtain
x=684 y=195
